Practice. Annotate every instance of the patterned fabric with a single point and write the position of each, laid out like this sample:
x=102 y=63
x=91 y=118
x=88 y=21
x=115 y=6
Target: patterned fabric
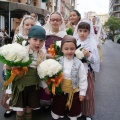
x=74 y=71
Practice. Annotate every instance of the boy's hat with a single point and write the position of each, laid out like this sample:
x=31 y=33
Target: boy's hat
x=37 y=32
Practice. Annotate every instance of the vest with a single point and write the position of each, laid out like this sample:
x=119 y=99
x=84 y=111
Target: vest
x=74 y=71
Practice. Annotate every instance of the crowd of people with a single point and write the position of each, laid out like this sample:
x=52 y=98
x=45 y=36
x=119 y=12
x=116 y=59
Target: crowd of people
x=77 y=97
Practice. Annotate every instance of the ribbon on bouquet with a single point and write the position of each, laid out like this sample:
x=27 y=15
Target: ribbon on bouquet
x=16 y=72
x=55 y=82
x=51 y=50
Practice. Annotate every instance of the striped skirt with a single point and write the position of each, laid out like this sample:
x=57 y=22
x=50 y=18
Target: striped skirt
x=87 y=106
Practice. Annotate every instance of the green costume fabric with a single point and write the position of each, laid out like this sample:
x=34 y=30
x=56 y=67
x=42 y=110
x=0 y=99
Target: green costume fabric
x=31 y=78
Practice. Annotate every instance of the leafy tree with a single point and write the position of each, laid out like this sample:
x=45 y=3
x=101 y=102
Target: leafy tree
x=113 y=24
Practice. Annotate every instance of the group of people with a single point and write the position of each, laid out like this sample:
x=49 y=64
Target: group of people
x=5 y=38
x=77 y=97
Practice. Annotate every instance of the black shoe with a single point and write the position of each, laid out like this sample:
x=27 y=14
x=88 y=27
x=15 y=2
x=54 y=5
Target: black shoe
x=8 y=114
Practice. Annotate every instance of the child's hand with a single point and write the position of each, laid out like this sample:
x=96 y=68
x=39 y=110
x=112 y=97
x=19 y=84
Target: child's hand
x=86 y=52
x=47 y=91
x=81 y=98
x=8 y=67
x=49 y=56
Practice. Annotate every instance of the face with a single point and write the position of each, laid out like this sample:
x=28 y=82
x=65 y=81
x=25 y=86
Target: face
x=74 y=18
x=66 y=20
x=33 y=15
x=28 y=23
x=55 y=21
x=83 y=34
x=35 y=44
x=68 y=49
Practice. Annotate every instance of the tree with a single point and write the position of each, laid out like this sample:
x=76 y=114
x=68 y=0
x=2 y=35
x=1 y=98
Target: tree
x=112 y=24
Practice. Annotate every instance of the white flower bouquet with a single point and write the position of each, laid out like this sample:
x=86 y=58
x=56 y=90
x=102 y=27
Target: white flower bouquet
x=17 y=57
x=51 y=71
x=79 y=54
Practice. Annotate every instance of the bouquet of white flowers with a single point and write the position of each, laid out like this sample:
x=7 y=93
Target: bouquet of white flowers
x=79 y=54
x=17 y=57
x=51 y=71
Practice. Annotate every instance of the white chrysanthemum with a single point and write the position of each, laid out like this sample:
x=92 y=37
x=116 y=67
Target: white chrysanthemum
x=49 y=68
x=58 y=43
x=79 y=53
x=14 y=52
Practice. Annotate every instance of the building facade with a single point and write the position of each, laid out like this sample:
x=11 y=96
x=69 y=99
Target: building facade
x=114 y=8
x=103 y=17
x=11 y=11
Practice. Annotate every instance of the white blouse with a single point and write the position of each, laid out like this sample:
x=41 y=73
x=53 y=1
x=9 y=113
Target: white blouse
x=82 y=75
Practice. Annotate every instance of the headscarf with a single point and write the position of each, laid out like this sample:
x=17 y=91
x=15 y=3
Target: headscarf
x=22 y=22
x=21 y=32
x=100 y=32
x=62 y=28
x=90 y=43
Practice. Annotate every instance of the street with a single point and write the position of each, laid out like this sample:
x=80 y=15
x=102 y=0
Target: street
x=107 y=87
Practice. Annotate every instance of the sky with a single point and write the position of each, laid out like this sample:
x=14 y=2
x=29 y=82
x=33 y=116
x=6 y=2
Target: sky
x=98 y=6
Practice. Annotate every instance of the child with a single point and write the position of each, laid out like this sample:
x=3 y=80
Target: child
x=55 y=29
x=34 y=15
x=25 y=90
x=26 y=23
x=74 y=84
x=86 y=40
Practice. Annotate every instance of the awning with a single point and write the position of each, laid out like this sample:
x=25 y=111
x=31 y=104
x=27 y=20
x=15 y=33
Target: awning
x=17 y=9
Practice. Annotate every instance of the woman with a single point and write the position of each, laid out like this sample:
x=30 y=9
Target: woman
x=98 y=29
x=75 y=17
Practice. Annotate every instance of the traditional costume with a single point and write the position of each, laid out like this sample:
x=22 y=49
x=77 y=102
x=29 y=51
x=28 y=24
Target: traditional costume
x=99 y=32
x=90 y=45
x=54 y=36
x=73 y=85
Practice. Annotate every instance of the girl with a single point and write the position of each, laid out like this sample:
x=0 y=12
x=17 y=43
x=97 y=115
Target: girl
x=25 y=90
x=86 y=40
x=55 y=29
x=74 y=84
x=74 y=19
x=26 y=23
x=36 y=19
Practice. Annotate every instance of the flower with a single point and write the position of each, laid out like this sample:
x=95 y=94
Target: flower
x=79 y=53
x=49 y=68
x=58 y=43
x=17 y=57
x=51 y=71
x=14 y=53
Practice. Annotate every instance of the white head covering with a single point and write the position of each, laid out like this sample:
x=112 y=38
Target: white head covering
x=21 y=32
x=22 y=22
x=62 y=28
x=90 y=42
x=100 y=31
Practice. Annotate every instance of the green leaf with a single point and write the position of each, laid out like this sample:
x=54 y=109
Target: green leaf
x=69 y=31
